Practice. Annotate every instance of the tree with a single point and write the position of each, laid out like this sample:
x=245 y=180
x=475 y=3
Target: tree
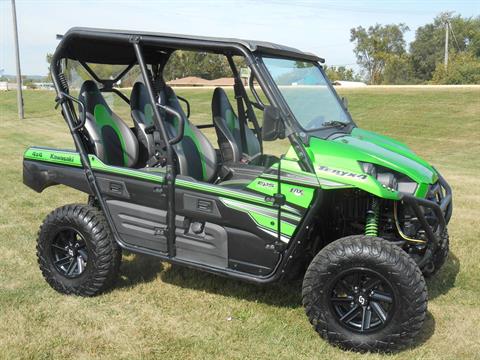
x=463 y=68
x=190 y=63
x=375 y=45
x=427 y=50
x=340 y=73
x=398 y=70
x=49 y=61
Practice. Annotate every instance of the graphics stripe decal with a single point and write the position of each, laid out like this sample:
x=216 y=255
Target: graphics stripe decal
x=72 y=158
x=266 y=219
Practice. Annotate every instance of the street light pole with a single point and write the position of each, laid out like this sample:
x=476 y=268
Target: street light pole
x=17 y=55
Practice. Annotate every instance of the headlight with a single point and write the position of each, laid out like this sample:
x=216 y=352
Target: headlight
x=391 y=180
x=388 y=180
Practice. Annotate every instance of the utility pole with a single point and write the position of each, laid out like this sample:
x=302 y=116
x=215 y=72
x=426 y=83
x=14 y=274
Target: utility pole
x=17 y=55
x=445 y=61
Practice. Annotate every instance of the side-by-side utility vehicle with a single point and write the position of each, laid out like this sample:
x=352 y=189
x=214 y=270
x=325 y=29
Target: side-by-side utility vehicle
x=358 y=215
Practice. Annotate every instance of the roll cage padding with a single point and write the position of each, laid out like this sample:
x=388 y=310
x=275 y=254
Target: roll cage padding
x=112 y=140
x=227 y=126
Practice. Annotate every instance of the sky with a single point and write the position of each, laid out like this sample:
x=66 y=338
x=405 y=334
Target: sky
x=321 y=27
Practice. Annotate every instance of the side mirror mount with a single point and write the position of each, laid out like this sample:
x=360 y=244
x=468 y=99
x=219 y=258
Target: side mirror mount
x=273 y=127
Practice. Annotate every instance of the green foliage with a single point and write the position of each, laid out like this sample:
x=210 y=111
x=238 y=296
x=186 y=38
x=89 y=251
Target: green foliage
x=428 y=47
x=398 y=70
x=375 y=45
x=335 y=73
x=463 y=68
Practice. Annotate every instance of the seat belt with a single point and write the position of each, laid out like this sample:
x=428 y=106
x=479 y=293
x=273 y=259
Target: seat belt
x=241 y=115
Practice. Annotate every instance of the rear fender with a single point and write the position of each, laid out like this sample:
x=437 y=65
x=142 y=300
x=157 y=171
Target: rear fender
x=40 y=175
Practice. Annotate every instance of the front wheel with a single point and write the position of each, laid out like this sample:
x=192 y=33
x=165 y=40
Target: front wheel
x=365 y=294
x=76 y=251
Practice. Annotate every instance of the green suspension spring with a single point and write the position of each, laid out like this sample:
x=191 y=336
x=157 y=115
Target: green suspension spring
x=371 y=225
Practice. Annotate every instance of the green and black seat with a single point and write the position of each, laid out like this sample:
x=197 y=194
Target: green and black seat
x=142 y=115
x=111 y=139
x=196 y=157
x=227 y=126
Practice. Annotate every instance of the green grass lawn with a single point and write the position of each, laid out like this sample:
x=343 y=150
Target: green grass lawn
x=163 y=311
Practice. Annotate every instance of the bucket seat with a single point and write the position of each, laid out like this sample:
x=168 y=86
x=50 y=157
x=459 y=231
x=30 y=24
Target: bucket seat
x=227 y=126
x=112 y=140
x=196 y=157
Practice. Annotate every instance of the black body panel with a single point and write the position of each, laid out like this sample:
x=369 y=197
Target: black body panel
x=207 y=231
x=39 y=175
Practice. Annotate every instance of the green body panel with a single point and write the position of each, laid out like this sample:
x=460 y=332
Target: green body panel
x=294 y=194
x=71 y=158
x=267 y=218
x=338 y=161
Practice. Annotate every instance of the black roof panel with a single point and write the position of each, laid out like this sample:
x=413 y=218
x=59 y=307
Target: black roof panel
x=114 y=46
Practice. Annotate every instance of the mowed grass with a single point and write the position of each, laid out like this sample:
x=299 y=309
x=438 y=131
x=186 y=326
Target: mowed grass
x=163 y=311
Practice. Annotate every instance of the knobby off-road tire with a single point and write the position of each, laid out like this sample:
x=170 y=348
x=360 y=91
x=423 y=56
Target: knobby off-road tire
x=401 y=281
x=439 y=256
x=82 y=230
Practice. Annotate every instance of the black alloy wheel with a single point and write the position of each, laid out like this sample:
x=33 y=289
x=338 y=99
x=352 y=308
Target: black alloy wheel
x=69 y=253
x=76 y=251
x=362 y=299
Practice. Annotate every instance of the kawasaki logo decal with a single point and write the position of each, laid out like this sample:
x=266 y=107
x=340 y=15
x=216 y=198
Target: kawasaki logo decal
x=67 y=158
x=342 y=173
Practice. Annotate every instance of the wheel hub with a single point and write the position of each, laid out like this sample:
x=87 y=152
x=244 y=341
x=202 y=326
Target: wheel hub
x=362 y=300
x=69 y=253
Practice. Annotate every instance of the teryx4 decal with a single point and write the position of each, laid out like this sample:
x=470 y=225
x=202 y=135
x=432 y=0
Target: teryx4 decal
x=342 y=173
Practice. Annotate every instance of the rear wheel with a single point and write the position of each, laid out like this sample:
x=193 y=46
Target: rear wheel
x=365 y=294
x=76 y=251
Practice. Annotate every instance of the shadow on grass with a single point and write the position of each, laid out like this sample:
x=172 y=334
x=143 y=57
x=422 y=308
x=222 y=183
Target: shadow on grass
x=138 y=269
x=284 y=294
x=444 y=280
x=141 y=268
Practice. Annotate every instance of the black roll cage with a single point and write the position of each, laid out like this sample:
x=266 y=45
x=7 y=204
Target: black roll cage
x=229 y=49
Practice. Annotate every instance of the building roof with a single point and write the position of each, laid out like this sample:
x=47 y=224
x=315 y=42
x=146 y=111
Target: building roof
x=189 y=81
x=197 y=81
x=115 y=46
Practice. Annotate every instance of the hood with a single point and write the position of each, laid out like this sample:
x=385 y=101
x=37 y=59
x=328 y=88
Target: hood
x=338 y=159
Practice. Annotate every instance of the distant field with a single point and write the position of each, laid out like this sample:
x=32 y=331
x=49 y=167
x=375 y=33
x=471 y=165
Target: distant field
x=163 y=311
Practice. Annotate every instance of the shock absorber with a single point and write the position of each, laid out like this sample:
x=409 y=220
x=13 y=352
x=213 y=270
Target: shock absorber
x=373 y=214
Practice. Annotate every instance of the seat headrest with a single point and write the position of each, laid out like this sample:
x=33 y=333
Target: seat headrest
x=220 y=102
x=91 y=96
x=139 y=97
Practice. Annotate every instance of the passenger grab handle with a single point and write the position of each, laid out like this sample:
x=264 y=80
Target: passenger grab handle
x=62 y=96
x=181 y=123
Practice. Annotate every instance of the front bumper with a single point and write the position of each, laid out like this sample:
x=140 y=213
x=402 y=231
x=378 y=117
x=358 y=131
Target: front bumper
x=439 y=200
